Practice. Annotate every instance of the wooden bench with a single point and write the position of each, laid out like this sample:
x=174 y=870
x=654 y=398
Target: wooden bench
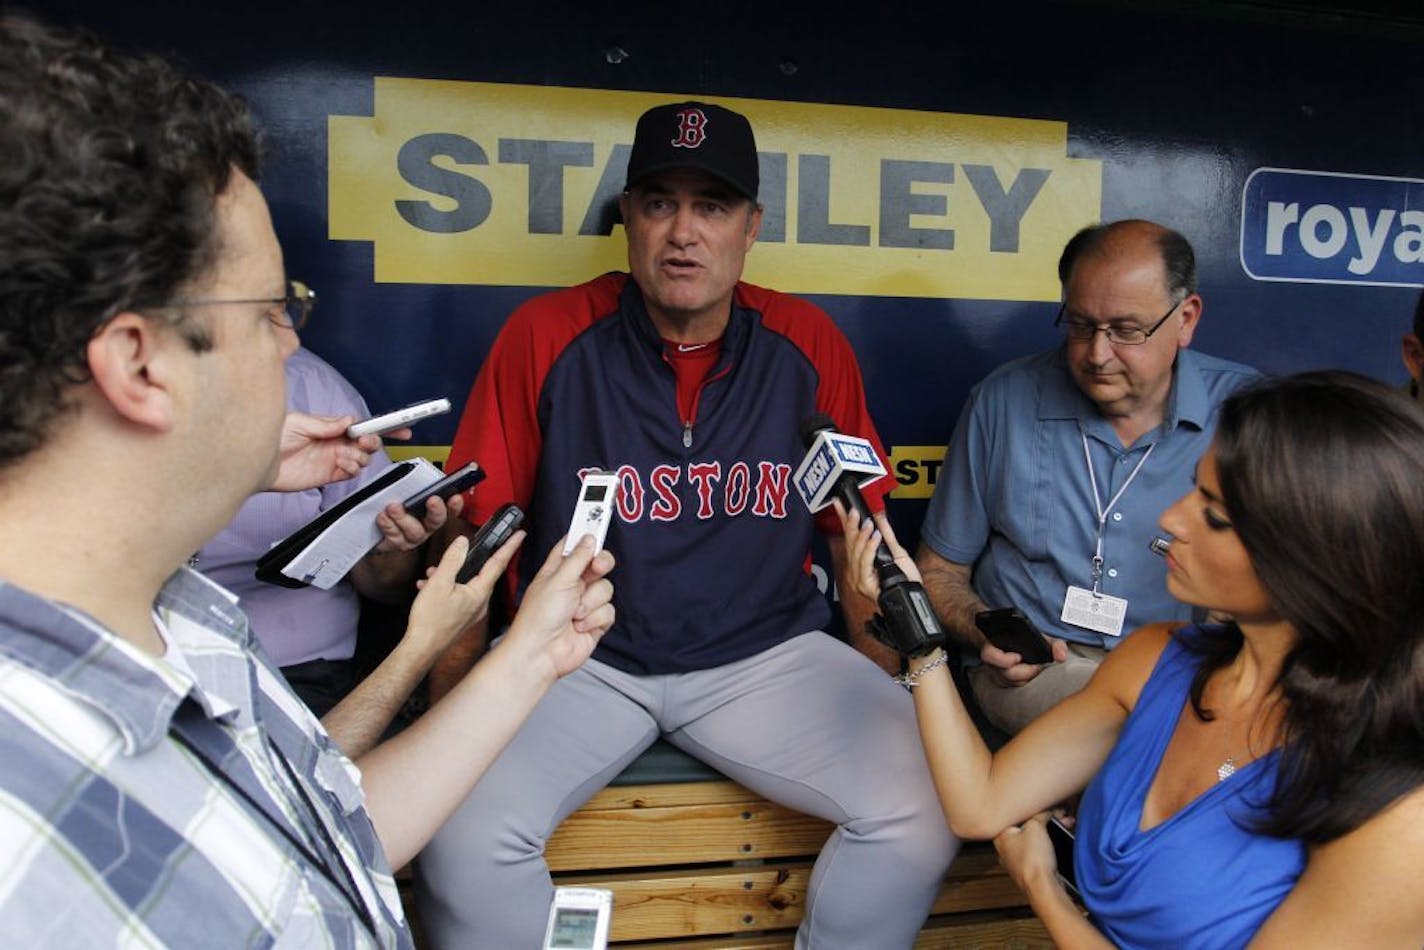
x=696 y=859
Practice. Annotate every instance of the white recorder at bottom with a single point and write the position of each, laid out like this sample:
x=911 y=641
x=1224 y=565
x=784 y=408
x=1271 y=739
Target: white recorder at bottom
x=594 y=510
x=579 y=918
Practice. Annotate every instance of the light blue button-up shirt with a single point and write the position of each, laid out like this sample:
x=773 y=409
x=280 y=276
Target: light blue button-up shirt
x=1015 y=500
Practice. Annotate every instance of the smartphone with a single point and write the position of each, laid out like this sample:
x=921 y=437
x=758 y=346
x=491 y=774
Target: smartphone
x=1009 y=630
x=1063 y=840
x=579 y=919
x=593 y=511
x=491 y=536
x=462 y=479
x=399 y=419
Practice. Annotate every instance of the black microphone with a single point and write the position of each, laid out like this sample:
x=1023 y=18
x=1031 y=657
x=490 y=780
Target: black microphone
x=906 y=621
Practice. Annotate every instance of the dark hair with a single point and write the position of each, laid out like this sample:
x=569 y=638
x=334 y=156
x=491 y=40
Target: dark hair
x=1419 y=317
x=1179 y=262
x=1322 y=475
x=107 y=195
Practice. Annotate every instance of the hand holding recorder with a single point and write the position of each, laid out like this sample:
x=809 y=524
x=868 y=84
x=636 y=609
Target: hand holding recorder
x=566 y=608
x=399 y=419
x=315 y=451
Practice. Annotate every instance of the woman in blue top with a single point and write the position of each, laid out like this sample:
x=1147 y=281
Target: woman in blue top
x=1254 y=782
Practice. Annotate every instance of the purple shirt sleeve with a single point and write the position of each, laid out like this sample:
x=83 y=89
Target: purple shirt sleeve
x=294 y=626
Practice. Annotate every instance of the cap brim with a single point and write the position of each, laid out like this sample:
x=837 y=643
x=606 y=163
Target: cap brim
x=669 y=166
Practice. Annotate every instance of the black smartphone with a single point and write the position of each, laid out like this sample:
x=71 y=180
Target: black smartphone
x=491 y=536
x=1063 y=841
x=462 y=479
x=1009 y=630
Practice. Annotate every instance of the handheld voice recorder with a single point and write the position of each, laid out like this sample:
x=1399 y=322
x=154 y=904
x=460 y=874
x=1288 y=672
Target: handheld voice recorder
x=594 y=510
x=489 y=539
x=579 y=918
x=376 y=425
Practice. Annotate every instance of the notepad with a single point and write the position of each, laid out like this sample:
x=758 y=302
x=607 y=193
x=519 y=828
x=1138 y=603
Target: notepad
x=322 y=551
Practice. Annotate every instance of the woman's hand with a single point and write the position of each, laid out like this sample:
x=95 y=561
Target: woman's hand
x=1026 y=852
x=862 y=539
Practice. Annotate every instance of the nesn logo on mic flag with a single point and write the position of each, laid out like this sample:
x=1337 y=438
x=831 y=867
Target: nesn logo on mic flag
x=832 y=455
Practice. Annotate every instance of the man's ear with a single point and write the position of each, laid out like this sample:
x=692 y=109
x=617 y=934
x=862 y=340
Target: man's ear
x=129 y=359
x=1412 y=350
x=1191 y=310
x=753 y=224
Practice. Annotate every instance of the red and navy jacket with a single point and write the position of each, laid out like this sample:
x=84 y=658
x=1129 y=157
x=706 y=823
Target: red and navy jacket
x=711 y=539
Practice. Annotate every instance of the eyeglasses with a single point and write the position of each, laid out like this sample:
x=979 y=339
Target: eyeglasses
x=290 y=312
x=1124 y=336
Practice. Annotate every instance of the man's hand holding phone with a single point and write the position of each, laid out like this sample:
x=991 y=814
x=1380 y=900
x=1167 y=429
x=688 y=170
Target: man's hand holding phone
x=405 y=525
x=403 y=530
x=1014 y=648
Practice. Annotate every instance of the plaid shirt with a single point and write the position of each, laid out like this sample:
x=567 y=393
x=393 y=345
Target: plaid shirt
x=145 y=803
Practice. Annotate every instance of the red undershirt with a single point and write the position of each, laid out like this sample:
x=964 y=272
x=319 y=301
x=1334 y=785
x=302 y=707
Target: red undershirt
x=691 y=362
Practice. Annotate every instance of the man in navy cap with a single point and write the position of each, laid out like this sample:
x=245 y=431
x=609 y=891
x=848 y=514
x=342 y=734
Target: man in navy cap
x=691 y=385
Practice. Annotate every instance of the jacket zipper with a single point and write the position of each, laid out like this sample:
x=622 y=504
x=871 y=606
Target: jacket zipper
x=697 y=398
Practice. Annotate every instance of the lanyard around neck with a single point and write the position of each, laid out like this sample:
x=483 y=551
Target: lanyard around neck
x=346 y=884
x=1102 y=510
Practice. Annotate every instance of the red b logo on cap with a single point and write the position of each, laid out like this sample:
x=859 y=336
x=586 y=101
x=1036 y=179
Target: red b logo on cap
x=691 y=129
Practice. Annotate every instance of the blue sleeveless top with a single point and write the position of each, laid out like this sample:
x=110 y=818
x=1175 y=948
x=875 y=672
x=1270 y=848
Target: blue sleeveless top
x=1202 y=878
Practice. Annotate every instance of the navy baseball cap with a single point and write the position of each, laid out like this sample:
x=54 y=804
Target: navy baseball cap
x=696 y=135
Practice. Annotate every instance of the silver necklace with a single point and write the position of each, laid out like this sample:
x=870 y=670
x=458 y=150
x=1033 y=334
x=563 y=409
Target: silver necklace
x=1227 y=768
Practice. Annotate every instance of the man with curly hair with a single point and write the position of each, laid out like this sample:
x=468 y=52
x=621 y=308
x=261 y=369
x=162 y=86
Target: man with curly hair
x=162 y=786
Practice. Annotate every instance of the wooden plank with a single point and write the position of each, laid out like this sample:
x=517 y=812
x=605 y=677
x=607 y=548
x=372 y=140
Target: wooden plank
x=952 y=933
x=672 y=793
x=984 y=932
x=719 y=900
x=717 y=943
x=682 y=834
x=976 y=881
x=661 y=904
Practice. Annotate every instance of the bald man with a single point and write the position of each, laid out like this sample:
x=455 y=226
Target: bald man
x=1061 y=463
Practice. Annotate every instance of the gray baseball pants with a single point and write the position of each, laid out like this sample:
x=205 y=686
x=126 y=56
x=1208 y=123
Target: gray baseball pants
x=811 y=724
